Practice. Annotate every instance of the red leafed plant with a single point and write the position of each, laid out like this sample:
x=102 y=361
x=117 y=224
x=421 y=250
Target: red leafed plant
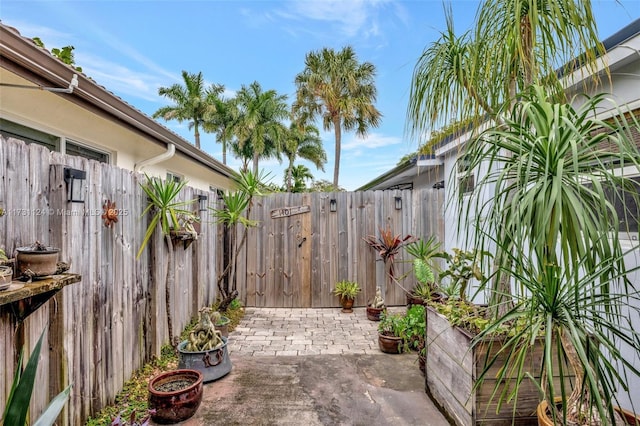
x=388 y=246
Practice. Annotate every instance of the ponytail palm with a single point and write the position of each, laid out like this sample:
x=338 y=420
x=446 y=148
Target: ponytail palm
x=546 y=206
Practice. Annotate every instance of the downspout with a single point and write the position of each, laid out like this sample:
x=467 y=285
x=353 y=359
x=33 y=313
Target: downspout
x=171 y=150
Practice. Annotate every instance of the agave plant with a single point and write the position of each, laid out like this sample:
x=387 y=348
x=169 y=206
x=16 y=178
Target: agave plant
x=17 y=406
x=554 y=225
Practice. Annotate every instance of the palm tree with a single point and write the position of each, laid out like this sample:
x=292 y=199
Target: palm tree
x=259 y=124
x=300 y=174
x=303 y=141
x=221 y=119
x=191 y=102
x=335 y=86
x=514 y=43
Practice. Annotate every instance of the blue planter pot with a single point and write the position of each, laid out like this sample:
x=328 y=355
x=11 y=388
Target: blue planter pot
x=212 y=364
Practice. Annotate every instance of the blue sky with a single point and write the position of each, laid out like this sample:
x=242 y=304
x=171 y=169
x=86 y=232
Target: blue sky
x=134 y=47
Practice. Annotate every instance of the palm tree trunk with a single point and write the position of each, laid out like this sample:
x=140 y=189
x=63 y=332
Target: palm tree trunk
x=169 y=282
x=255 y=163
x=289 y=174
x=224 y=152
x=338 y=133
x=197 y=135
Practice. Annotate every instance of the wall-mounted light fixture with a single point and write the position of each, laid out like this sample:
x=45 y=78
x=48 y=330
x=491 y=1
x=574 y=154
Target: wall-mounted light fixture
x=438 y=185
x=398 y=203
x=202 y=202
x=73 y=178
x=333 y=205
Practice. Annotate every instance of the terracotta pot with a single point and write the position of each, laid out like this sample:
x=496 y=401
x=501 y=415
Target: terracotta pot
x=347 y=304
x=373 y=314
x=414 y=300
x=173 y=406
x=545 y=420
x=390 y=344
x=223 y=326
x=37 y=263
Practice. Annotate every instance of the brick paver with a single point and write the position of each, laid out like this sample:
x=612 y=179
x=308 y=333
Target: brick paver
x=305 y=331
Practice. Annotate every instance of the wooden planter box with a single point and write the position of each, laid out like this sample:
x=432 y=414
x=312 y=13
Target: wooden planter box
x=451 y=368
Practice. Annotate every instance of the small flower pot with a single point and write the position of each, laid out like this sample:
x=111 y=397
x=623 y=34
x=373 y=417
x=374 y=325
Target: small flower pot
x=347 y=304
x=223 y=326
x=175 y=395
x=389 y=344
x=373 y=314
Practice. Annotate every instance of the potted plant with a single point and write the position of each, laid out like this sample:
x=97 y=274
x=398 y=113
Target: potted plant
x=376 y=306
x=37 y=260
x=347 y=292
x=166 y=211
x=206 y=348
x=554 y=224
x=174 y=396
x=424 y=252
x=462 y=267
x=391 y=333
x=388 y=246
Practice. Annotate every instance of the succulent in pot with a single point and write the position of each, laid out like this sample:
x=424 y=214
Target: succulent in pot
x=347 y=292
x=37 y=260
x=206 y=348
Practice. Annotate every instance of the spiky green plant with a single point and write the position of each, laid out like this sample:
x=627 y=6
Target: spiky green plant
x=17 y=406
x=167 y=211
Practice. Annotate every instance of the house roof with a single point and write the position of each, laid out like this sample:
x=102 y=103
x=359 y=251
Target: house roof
x=403 y=174
x=22 y=56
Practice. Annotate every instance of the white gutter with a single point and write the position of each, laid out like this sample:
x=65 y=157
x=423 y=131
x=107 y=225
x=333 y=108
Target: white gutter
x=171 y=150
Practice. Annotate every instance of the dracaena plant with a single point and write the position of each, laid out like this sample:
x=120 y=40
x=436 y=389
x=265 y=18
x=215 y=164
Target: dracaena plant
x=388 y=246
x=551 y=216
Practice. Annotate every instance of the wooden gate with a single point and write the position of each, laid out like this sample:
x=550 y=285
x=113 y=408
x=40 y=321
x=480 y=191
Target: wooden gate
x=305 y=243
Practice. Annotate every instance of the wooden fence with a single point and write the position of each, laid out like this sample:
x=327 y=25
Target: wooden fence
x=301 y=248
x=105 y=327
x=102 y=329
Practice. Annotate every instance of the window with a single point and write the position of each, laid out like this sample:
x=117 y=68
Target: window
x=174 y=176
x=466 y=178
x=627 y=208
x=74 y=148
x=9 y=129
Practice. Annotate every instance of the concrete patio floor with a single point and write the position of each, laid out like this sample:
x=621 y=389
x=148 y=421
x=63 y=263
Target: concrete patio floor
x=315 y=367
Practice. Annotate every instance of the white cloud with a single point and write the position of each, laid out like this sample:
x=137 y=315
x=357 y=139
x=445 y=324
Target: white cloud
x=371 y=141
x=349 y=18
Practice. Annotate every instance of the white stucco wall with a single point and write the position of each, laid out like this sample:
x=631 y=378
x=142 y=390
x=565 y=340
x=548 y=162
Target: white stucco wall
x=53 y=114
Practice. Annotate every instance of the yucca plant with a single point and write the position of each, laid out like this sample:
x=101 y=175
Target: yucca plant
x=234 y=213
x=551 y=218
x=167 y=212
x=17 y=406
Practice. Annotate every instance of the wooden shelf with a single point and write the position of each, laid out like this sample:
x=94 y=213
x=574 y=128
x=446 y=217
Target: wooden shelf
x=27 y=299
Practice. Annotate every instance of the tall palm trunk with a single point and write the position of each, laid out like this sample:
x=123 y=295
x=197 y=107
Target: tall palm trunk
x=255 y=162
x=224 y=152
x=169 y=282
x=338 y=133
x=197 y=135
